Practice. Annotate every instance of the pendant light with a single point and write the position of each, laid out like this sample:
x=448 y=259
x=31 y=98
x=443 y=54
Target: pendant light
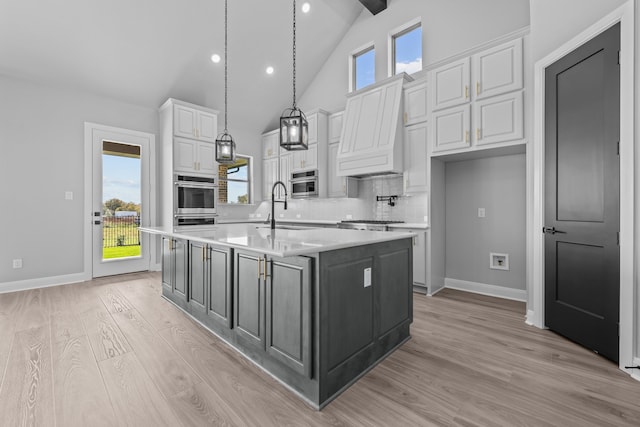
x=225 y=146
x=294 y=129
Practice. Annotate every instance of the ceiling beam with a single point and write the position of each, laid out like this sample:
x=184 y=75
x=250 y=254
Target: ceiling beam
x=375 y=6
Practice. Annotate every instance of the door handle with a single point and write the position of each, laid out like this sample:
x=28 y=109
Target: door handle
x=552 y=230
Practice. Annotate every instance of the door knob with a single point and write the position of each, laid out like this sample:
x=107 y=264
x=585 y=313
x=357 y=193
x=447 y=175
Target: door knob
x=552 y=230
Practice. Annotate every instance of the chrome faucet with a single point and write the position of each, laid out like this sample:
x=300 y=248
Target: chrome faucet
x=274 y=201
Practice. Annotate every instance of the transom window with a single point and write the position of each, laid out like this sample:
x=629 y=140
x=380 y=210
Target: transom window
x=235 y=181
x=363 y=68
x=406 y=47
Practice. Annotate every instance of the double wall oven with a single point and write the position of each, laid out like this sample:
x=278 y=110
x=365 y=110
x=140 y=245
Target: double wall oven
x=195 y=201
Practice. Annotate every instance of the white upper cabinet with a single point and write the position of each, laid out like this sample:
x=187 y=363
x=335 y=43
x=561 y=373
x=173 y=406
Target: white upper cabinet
x=285 y=174
x=194 y=157
x=498 y=119
x=270 y=175
x=335 y=126
x=450 y=128
x=493 y=113
x=195 y=124
x=270 y=143
x=450 y=84
x=415 y=103
x=312 y=121
x=416 y=158
x=304 y=159
x=498 y=70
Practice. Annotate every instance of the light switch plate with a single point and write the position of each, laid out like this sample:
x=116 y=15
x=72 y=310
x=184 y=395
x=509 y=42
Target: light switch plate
x=367 y=277
x=482 y=213
x=68 y=195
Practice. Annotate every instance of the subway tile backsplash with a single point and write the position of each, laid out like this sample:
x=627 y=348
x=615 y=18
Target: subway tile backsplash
x=409 y=208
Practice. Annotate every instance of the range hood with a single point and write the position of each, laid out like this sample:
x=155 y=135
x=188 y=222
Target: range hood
x=371 y=138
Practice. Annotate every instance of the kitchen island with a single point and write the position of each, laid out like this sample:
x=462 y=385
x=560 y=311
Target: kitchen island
x=316 y=308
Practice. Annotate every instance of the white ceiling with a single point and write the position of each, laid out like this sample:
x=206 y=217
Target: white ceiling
x=144 y=51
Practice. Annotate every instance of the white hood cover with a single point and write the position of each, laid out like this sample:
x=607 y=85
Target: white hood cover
x=371 y=139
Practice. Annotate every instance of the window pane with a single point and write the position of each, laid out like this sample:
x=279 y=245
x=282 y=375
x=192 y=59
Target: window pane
x=364 y=69
x=234 y=182
x=408 y=51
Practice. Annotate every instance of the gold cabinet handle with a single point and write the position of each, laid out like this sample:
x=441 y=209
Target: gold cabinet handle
x=264 y=270
x=477 y=134
x=204 y=253
x=259 y=262
x=466 y=92
x=477 y=88
x=405 y=117
x=466 y=136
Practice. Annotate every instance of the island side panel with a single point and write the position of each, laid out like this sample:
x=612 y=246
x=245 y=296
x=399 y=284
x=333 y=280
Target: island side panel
x=360 y=324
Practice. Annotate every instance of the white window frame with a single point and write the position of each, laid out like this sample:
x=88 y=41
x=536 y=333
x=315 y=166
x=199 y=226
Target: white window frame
x=352 y=63
x=249 y=182
x=399 y=32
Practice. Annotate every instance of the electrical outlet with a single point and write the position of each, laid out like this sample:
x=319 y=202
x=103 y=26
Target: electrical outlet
x=281 y=215
x=481 y=213
x=425 y=218
x=298 y=215
x=367 y=277
x=258 y=215
x=349 y=216
x=17 y=263
x=68 y=195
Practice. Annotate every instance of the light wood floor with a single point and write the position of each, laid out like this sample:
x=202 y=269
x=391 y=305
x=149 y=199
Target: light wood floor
x=113 y=352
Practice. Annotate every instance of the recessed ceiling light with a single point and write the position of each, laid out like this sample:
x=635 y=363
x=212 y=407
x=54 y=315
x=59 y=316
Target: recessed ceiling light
x=215 y=58
x=306 y=7
x=269 y=70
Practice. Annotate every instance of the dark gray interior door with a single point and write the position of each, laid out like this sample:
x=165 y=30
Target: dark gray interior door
x=582 y=123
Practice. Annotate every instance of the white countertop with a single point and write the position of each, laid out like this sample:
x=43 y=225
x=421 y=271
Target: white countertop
x=281 y=242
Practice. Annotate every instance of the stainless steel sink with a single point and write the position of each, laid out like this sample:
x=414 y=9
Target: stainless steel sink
x=287 y=227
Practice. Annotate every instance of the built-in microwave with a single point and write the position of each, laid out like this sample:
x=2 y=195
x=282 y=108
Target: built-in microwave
x=304 y=184
x=195 y=195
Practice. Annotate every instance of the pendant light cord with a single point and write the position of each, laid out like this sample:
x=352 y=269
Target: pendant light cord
x=225 y=66
x=294 y=53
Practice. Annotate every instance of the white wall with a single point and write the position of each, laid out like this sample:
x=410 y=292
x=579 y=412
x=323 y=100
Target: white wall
x=42 y=141
x=496 y=184
x=448 y=27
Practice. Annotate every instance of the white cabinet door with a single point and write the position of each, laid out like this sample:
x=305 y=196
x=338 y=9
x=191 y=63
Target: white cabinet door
x=450 y=84
x=194 y=124
x=207 y=126
x=498 y=70
x=498 y=119
x=312 y=121
x=206 y=158
x=416 y=159
x=185 y=121
x=415 y=104
x=285 y=174
x=270 y=143
x=450 y=128
x=305 y=159
x=185 y=153
x=337 y=184
x=335 y=126
x=269 y=176
x=420 y=257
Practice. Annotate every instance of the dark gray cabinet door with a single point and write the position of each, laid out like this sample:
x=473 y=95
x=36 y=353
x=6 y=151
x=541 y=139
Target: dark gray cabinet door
x=180 y=276
x=198 y=274
x=288 y=312
x=167 y=265
x=249 y=294
x=219 y=286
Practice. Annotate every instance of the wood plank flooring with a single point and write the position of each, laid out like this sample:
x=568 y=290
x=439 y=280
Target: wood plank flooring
x=113 y=352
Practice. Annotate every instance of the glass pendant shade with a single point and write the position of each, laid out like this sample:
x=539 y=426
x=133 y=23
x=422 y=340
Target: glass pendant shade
x=294 y=130
x=225 y=149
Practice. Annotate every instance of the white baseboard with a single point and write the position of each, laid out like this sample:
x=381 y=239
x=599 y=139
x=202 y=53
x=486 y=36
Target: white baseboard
x=435 y=292
x=635 y=373
x=529 y=319
x=155 y=267
x=44 y=282
x=486 y=289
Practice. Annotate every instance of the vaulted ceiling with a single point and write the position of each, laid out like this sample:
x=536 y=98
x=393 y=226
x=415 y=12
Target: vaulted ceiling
x=144 y=51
